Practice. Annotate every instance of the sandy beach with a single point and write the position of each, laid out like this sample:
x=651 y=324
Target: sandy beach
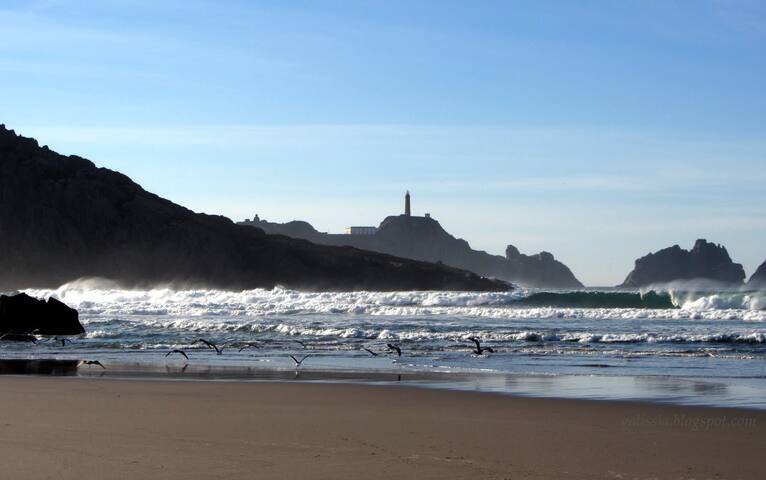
x=105 y=428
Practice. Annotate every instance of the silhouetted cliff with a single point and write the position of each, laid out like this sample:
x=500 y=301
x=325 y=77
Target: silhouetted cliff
x=423 y=238
x=704 y=261
x=759 y=277
x=62 y=218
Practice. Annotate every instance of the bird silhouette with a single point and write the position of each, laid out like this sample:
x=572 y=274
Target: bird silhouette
x=92 y=362
x=212 y=345
x=298 y=362
x=478 y=350
x=178 y=351
x=395 y=348
x=249 y=345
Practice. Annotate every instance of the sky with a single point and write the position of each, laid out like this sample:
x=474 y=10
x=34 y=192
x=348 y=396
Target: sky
x=597 y=130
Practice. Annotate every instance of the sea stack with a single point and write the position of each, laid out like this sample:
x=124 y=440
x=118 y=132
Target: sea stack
x=540 y=270
x=759 y=277
x=705 y=261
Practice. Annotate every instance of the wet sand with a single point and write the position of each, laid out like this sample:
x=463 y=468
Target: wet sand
x=104 y=428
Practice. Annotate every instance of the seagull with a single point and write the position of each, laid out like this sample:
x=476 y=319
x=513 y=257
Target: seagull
x=394 y=347
x=249 y=345
x=369 y=351
x=298 y=362
x=91 y=362
x=178 y=351
x=219 y=351
x=479 y=350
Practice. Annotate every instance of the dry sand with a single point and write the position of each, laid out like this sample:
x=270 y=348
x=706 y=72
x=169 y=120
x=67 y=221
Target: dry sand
x=66 y=428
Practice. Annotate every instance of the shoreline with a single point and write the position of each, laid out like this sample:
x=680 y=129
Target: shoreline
x=112 y=428
x=686 y=392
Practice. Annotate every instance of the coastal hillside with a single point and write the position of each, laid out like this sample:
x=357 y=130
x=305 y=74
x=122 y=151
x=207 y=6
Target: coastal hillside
x=705 y=261
x=62 y=218
x=423 y=238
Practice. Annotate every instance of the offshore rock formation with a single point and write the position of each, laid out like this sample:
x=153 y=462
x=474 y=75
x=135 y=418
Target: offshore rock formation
x=62 y=218
x=759 y=277
x=423 y=238
x=705 y=261
x=21 y=315
x=540 y=270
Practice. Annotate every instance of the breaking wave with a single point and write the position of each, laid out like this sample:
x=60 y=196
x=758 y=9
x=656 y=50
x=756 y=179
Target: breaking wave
x=596 y=299
x=662 y=331
x=517 y=304
x=386 y=331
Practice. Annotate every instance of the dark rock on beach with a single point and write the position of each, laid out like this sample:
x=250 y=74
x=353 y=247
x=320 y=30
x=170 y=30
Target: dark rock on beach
x=22 y=315
x=705 y=261
x=423 y=238
x=62 y=218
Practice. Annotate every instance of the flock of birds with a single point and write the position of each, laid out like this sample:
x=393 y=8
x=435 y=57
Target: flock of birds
x=391 y=349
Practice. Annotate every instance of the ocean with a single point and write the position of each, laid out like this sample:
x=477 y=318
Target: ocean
x=660 y=344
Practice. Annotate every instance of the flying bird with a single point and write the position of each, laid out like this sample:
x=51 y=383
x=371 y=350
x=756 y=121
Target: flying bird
x=178 y=351
x=91 y=362
x=298 y=362
x=369 y=351
x=249 y=345
x=212 y=345
x=479 y=350
x=395 y=348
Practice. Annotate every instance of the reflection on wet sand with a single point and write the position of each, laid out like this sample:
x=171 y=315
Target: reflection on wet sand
x=747 y=393
x=676 y=385
x=38 y=367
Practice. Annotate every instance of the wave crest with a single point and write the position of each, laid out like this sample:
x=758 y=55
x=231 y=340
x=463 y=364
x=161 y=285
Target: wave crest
x=748 y=306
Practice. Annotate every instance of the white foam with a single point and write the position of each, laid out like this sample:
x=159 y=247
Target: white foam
x=283 y=302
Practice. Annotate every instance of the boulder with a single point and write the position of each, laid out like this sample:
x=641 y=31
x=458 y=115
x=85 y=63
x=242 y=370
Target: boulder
x=21 y=315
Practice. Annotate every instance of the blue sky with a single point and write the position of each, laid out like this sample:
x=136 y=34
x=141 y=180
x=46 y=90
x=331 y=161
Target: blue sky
x=598 y=131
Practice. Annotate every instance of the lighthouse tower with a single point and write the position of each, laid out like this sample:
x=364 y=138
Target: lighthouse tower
x=407 y=204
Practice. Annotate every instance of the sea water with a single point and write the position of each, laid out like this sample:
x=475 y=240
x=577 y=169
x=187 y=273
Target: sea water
x=703 y=347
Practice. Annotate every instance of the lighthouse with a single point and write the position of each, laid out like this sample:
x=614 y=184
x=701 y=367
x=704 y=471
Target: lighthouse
x=407 y=204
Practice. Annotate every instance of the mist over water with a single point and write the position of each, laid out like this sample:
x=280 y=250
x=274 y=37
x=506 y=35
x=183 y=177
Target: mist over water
x=714 y=335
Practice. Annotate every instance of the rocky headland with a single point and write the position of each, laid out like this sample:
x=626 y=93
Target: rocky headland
x=423 y=238
x=62 y=218
x=705 y=261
